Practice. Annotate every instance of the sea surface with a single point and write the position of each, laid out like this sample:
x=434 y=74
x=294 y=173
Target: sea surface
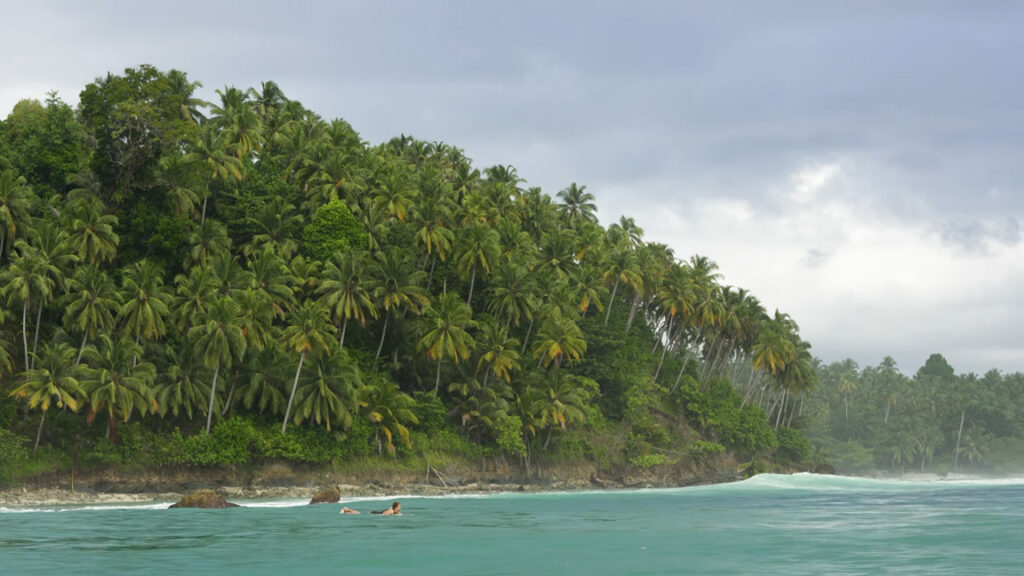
x=769 y=524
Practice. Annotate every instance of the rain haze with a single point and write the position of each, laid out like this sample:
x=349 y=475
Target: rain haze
x=856 y=165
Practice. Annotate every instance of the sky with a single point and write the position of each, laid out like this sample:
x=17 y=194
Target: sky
x=856 y=165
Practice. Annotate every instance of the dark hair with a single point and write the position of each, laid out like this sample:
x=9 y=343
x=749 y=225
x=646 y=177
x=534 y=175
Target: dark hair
x=395 y=505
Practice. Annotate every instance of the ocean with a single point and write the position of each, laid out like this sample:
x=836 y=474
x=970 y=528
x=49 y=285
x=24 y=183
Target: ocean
x=769 y=524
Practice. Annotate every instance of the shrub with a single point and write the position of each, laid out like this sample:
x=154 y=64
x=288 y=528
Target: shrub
x=793 y=446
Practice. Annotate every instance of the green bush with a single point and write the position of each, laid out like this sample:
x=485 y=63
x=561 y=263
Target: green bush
x=232 y=442
x=14 y=453
x=793 y=446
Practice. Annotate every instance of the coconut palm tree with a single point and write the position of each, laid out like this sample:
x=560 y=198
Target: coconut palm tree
x=345 y=290
x=27 y=277
x=499 y=352
x=218 y=341
x=559 y=338
x=389 y=411
x=92 y=304
x=478 y=252
x=181 y=388
x=145 y=301
x=397 y=288
x=308 y=331
x=53 y=381
x=116 y=383
x=332 y=393
x=92 y=232
x=577 y=205
x=15 y=201
x=445 y=326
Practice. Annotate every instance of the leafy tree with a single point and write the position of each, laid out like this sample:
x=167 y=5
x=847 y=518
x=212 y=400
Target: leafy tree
x=333 y=229
x=308 y=331
x=445 y=328
x=53 y=381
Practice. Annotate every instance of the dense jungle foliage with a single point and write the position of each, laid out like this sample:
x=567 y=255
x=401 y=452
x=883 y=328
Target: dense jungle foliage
x=216 y=284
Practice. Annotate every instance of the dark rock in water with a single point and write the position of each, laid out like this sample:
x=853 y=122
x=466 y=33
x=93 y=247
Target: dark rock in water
x=825 y=469
x=326 y=496
x=203 y=499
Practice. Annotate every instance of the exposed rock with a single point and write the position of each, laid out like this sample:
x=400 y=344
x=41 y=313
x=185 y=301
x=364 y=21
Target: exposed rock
x=326 y=496
x=203 y=499
x=824 y=469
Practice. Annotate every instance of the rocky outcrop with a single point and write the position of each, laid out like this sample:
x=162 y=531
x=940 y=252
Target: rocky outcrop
x=326 y=496
x=203 y=499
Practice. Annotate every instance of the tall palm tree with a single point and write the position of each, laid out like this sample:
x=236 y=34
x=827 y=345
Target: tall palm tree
x=28 y=276
x=397 y=287
x=332 y=393
x=53 y=381
x=193 y=295
x=15 y=200
x=146 y=301
x=308 y=331
x=345 y=290
x=499 y=352
x=181 y=389
x=478 y=252
x=577 y=205
x=92 y=304
x=92 y=232
x=559 y=338
x=116 y=383
x=621 y=267
x=445 y=328
x=218 y=341
x=271 y=277
x=389 y=410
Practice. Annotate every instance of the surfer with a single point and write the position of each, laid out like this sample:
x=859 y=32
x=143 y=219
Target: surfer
x=395 y=510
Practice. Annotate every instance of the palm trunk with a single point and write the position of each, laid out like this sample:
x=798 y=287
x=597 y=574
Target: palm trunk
x=472 y=282
x=632 y=312
x=213 y=394
x=382 y=334
x=24 y=329
x=527 y=339
x=610 y=300
x=291 y=398
x=664 y=349
x=39 y=432
x=35 y=343
x=81 y=349
x=341 y=339
x=956 y=456
x=437 y=381
x=686 y=360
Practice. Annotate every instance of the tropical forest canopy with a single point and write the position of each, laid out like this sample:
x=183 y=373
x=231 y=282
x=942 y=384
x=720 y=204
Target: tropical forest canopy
x=207 y=284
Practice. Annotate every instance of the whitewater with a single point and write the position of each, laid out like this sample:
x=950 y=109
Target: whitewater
x=769 y=524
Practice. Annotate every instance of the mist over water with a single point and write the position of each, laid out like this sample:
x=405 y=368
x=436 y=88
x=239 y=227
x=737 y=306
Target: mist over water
x=770 y=524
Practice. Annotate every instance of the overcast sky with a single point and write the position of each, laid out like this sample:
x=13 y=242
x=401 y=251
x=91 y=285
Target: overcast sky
x=857 y=165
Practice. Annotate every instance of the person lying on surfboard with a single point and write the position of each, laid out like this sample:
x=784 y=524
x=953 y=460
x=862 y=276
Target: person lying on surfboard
x=395 y=510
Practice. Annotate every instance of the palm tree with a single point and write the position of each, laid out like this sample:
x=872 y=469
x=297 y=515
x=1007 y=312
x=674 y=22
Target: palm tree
x=621 y=267
x=218 y=341
x=209 y=241
x=332 y=395
x=115 y=382
x=345 y=290
x=92 y=232
x=92 y=303
x=266 y=378
x=54 y=380
x=445 y=331
x=558 y=338
x=397 y=287
x=577 y=205
x=182 y=389
x=193 y=294
x=270 y=276
x=145 y=301
x=479 y=250
x=308 y=332
x=513 y=293
x=28 y=276
x=500 y=354
x=389 y=410
x=15 y=200
x=276 y=222
x=559 y=401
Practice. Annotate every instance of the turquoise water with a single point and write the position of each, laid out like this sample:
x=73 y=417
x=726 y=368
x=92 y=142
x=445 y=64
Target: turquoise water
x=802 y=524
